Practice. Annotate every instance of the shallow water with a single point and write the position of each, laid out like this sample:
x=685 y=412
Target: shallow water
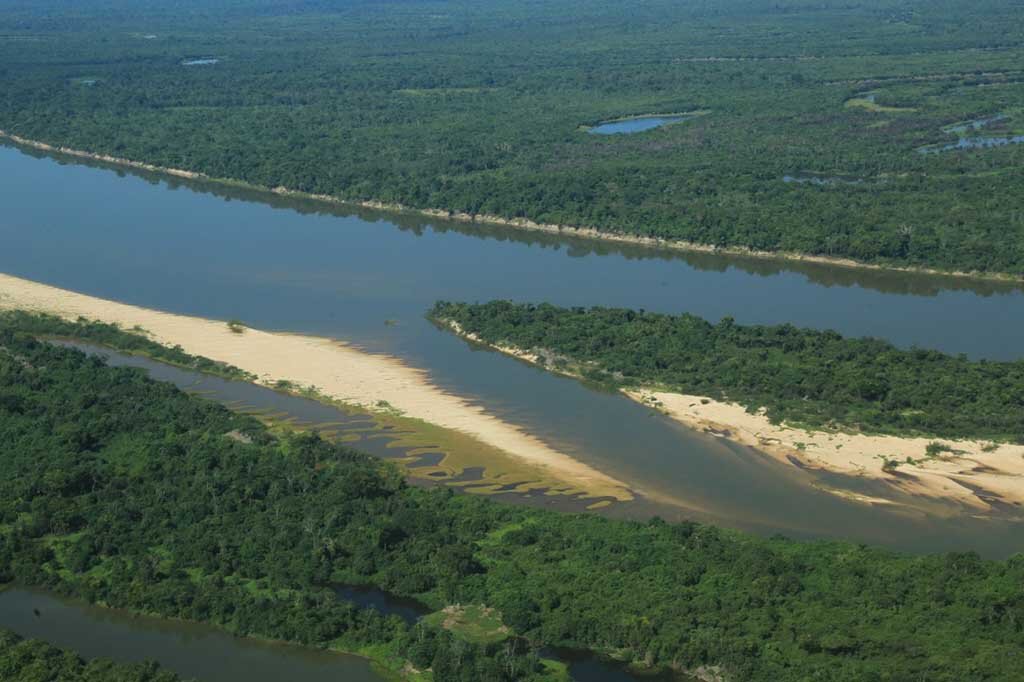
x=355 y=429
x=633 y=125
x=200 y=249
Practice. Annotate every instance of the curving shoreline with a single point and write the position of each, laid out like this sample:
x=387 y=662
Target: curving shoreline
x=979 y=476
x=338 y=371
x=520 y=223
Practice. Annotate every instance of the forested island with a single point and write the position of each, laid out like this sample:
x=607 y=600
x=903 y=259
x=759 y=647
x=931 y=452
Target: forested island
x=883 y=132
x=807 y=377
x=925 y=425
x=127 y=492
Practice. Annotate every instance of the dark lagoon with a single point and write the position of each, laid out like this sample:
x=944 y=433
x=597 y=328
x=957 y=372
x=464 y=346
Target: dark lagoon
x=202 y=249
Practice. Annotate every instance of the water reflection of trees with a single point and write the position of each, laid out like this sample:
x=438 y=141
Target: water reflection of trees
x=884 y=281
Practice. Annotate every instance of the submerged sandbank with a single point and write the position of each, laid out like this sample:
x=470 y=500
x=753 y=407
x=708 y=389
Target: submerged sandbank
x=339 y=372
x=980 y=475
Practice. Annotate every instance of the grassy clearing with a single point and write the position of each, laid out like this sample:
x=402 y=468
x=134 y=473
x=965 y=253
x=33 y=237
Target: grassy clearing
x=873 y=106
x=474 y=623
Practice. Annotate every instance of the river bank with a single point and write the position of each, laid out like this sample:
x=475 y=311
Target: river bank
x=980 y=476
x=338 y=372
x=520 y=223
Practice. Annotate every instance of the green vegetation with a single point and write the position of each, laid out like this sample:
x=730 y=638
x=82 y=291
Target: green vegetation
x=480 y=107
x=807 y=377
x=27 y=660
x=133 y=342
x=128 y=492
x=473 y=623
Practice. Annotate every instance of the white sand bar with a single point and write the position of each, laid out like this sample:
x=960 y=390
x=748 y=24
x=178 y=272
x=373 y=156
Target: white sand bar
x=974 y=474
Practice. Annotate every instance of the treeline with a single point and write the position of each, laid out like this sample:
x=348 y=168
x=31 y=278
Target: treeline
x=121 y=490
x=802 y=376
x=477 y=107
x=28 y=660
x=112 y=336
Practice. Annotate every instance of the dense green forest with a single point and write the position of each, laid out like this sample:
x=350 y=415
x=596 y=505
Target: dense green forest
x=25 y=660
x=128 y=492
x=802 y=376
x=817 y=111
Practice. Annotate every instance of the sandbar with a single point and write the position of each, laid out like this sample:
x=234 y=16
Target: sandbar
x=337 y=370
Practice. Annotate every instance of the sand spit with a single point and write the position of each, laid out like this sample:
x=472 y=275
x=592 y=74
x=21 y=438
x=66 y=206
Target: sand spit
x=521 y=223
x=338 y=371
x=979 y=475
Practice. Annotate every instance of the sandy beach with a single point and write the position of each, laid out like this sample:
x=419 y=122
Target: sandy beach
x=976 y=474
x=338 y=371
x=979 y=475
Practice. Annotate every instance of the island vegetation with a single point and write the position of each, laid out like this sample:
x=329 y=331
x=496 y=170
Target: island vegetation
x=130 y=493
x=481 y=108
x=816 y=379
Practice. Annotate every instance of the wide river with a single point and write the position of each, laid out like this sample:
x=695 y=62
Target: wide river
x=202 y=249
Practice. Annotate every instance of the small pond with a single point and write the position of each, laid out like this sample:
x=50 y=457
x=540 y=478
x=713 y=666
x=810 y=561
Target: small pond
x=383 y=602
x=634 y=125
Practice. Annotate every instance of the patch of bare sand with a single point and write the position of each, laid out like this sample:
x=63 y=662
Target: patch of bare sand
x=976 y=474
x=338 y=371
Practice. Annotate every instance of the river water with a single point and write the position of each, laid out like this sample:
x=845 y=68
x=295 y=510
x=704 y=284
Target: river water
x=201 y=249
x=189 y=649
